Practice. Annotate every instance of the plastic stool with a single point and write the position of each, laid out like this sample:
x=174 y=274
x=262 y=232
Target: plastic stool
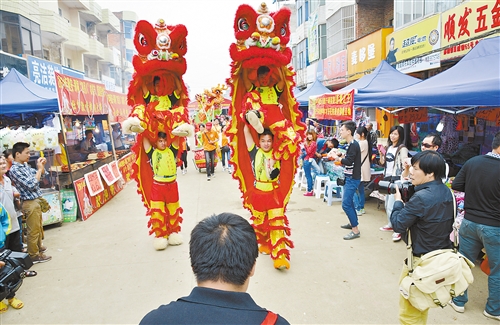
x=319 y=185
x=298 y=177
x=329 y=188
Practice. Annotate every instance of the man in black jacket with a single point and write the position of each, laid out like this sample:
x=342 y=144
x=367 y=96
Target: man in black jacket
x=479 y=178
x=223 y=251
x=429 y=215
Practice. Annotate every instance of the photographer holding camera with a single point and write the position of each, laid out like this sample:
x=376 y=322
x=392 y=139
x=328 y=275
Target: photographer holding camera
x=429 y=214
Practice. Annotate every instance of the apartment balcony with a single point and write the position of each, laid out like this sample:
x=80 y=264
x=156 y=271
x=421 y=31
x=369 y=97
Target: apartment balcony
x=109 y=23
x=76 y=4
x=78 y=40
x=93 y=14
x=54 y=27
x=108 y=56
x=95 y=50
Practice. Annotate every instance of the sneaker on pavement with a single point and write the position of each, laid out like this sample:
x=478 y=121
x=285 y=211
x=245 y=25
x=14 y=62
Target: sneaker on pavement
x=485 y=313
x=362 y=211
x=41 y=259
x=310 y=193
x=352 y=235
x=213 y=175
x=208 y=178
x=386 y=228
x=43 y=249
x=396 y=237
x=458 y=309
x=359 y=213
x=347 y=226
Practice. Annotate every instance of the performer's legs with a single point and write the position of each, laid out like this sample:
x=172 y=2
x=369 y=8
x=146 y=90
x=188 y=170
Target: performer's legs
x=279 y=230
x=173 y=225
x=261 y=227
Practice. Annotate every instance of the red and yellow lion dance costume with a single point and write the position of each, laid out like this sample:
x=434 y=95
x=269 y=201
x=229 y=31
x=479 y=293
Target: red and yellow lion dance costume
x=261 y=39
x=159 y=99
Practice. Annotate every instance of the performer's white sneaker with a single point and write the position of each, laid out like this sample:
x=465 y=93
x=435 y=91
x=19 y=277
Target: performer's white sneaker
x=160 y=243
x=175 y=239
x=254 y=121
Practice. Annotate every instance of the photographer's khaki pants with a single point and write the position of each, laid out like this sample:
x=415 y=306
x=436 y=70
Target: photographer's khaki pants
x=407 y=313
x=33 y=213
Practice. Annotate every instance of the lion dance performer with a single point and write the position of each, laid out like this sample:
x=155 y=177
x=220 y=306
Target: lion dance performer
x=159 y=99
x=265 y=130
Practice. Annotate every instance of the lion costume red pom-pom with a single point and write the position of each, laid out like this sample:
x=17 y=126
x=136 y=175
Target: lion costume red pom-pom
x=263 y=103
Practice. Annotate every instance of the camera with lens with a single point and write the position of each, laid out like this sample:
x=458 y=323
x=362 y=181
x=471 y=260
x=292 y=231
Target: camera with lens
x=12 y=273
x=406 y=188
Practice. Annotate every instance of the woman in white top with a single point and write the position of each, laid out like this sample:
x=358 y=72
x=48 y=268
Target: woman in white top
x=393 y=158
x=359 y=197
x=7 y=193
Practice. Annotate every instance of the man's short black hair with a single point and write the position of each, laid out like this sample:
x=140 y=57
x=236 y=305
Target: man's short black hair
x=19 y=148
x=87 y=132
x=263 y=70
x=350 y=125
x=162 y=135
x=496 y=141
x=223 y=248
x=266 y=132
x=430 y=161
x=436 y=139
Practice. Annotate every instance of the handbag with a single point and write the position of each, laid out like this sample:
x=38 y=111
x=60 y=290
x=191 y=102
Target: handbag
x=439 y=276
x=340 y=181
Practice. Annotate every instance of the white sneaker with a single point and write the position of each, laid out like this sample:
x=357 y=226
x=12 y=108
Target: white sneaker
x=458 y=309
x=362 y=211
x=359 y=213
x=396 y=237
x=485 y=313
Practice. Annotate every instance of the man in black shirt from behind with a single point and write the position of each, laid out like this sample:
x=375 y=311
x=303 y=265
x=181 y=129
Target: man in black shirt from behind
x=223 y=250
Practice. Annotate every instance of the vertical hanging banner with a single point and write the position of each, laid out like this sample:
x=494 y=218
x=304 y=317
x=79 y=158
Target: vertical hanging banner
x=117 y=106
x=337 y=106
x=125 y=164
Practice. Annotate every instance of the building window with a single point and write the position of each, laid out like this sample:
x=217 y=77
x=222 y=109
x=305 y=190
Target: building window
x=129 y=54
x=299 y=17
x=408 y=11
x=68 y=62
x=340 y=30
x=128 y=29
x=20 y=35
x=322 y=41
x=302 y=55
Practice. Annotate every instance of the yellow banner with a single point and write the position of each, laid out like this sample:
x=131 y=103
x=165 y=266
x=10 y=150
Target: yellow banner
x=405 y=44
x=467 y=20
x=366 y=53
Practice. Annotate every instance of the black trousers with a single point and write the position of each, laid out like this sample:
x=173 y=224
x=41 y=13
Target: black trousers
x=210 y=162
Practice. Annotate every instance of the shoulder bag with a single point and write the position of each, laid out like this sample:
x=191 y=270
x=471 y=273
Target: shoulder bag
x=440 y=276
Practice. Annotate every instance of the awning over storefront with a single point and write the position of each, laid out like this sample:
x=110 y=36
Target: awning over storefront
x=473 y=82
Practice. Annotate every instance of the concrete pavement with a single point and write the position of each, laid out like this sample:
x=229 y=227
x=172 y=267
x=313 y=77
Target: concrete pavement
x=105 y=270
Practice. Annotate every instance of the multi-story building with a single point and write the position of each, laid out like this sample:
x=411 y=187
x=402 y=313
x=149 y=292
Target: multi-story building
x=77 y=34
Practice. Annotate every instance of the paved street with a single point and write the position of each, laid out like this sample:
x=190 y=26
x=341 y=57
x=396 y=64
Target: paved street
x=105 y=270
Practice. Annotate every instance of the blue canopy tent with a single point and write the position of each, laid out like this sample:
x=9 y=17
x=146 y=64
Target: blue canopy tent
x=473 y=82
x=383 y=78
x=315 y=89
x=18 y=94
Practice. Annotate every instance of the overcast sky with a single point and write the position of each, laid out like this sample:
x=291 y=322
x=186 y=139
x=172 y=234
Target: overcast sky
x=210 y=32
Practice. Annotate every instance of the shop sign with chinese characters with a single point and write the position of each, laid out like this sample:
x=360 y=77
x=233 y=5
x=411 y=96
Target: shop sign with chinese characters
x=405 y=45
x=125 y=164
x=335 y=69
x=413 y=115
x=366 y=53
x=332 y=106
x=490 y=115
x=467 y=20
